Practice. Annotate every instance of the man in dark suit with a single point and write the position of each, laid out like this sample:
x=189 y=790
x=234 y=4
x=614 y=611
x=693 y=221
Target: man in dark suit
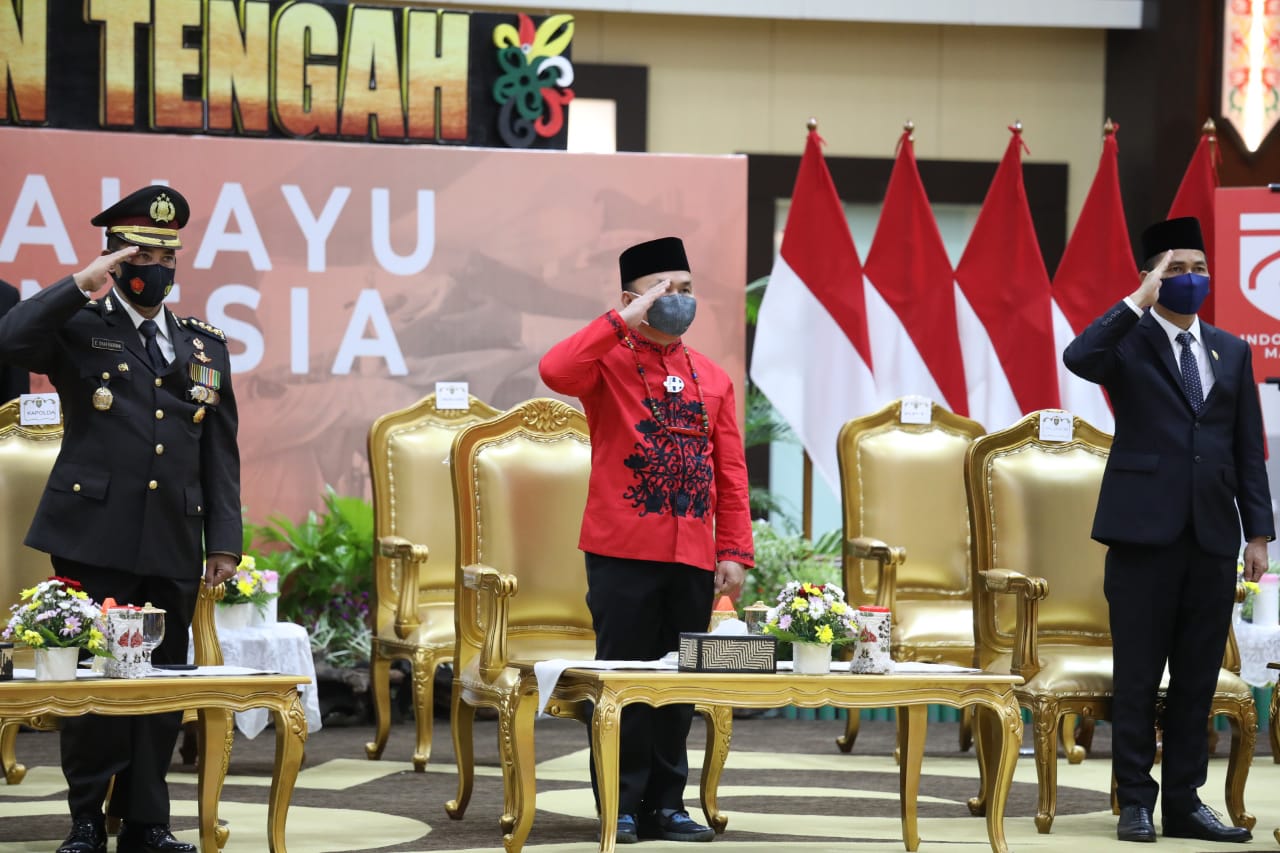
x=14 y=381
x=1185 y=471
x=145 y=488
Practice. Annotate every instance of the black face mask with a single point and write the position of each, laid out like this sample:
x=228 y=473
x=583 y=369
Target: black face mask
x=144 y=286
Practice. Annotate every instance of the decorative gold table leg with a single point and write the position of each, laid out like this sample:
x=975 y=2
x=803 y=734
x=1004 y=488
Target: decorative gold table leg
x=291 y=739
x=966 y=728
x=605 y=728
x=380 y=686
x=1002 y=733
x=524 y=782
x=1244 y=737
x=912 y=721
x=719 y=734
x=984 y=750
x=13 y=771
x=211 y=769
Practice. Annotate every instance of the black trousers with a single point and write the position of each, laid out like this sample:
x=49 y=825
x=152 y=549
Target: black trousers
x=135 y=750
x=1169 y=604
x=638 y=609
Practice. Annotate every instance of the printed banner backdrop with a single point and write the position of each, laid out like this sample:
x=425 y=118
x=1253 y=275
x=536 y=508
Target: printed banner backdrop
x=350 y=278
x=1247 y=287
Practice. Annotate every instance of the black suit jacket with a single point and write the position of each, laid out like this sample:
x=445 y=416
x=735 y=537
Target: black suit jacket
x=14 y=381
x=149 y=485
x=1169 y=468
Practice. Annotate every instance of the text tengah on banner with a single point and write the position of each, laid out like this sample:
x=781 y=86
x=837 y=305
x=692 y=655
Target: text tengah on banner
x=302 y=69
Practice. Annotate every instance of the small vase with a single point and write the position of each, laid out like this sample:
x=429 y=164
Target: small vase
x=811 y=658
x=57 y=664
x=233 y=617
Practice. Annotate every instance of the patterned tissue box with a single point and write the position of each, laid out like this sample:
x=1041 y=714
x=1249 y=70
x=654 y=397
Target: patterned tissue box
x=727 y=653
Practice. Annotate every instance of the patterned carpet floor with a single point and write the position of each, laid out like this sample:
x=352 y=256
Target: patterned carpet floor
x=786 y=788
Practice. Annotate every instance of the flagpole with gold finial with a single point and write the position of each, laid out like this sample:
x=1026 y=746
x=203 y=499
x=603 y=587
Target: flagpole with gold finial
x=806 y=474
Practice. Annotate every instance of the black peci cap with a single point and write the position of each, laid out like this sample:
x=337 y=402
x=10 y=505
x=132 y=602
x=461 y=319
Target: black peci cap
x=151 y=216
x=1180 y=233
x=666 y=254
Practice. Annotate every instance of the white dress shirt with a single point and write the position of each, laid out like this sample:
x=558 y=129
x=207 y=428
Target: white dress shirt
x=163 y=337
x=1197 y=345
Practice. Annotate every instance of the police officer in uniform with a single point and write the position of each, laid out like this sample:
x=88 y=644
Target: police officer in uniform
x=145 y=490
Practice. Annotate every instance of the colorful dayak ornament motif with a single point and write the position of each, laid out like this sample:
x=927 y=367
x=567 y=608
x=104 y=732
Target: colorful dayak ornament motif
x=1251 y=68
x=534 y=87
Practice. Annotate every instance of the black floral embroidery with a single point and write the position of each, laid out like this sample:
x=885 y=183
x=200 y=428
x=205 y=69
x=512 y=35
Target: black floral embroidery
x=672 y=470
x=728 y=553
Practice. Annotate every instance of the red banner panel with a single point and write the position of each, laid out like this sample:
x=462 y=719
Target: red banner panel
x=350 y=277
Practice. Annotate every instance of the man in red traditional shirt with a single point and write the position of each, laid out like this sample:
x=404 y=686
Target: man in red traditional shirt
x=667 y=524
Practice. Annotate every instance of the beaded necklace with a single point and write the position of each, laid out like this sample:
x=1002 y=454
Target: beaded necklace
x=704 y=428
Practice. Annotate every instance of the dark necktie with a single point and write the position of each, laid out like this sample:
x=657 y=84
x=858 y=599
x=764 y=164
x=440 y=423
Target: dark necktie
x=1190 y=372
x=152 y=346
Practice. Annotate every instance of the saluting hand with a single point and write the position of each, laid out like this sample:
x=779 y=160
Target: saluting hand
x=98 y=274
x=635 y=313
x=1147 y=293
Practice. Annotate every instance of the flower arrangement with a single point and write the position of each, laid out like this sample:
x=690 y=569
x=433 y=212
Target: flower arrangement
x=250 y=585
x=57 y=613
x=1251 y=588
x=811 y=613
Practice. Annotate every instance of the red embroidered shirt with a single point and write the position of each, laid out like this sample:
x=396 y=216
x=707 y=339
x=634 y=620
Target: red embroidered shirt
x=671 y=494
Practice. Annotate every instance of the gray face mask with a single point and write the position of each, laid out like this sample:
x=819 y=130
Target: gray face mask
x=672 y=314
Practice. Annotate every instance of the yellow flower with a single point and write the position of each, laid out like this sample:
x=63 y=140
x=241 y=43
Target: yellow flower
x=825 y=634
x=96 y=639
x=245 y=586
x=800 y=604
x=838 y=608
x=1251 y=586
x=247 y=562
x=27 y=593
x=31 y=638
x=810 y=589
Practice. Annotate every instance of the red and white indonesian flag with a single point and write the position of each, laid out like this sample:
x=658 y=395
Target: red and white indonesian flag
x=1097 y=271
x=911 y=306
x=1195 y=198
x=812 y=353
x=1003 y=305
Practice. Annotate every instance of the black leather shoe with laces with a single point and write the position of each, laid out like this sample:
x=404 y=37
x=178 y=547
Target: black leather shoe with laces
x=88 y=835
x=150 y=838
x=1135 y=824
x=1202 y=823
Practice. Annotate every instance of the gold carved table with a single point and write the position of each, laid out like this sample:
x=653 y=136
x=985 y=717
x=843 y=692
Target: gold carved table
x=998 y=720
x=214 y=697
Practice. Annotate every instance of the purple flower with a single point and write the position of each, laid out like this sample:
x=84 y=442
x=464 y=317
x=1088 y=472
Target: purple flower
x=71 y=627
x=784 y=621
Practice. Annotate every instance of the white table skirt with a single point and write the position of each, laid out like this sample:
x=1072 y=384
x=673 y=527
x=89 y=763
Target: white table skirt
x=1259 y=646
x=274 y=647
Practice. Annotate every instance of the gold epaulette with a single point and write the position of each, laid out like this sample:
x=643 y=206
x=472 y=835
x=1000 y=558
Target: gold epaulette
x=202 y=326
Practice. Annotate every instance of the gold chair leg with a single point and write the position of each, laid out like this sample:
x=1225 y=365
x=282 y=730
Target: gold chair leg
x=380 y=686
x=846 y=741
x=462 y=717
x=719 y=721
x=1274 y=727
x=1084 y=734
x=1045 y=722
x=966 y=728
x=424 y=678
x=1070 y=742
x=1244 y=726
x=1115 y=797
x=13 y=771
x=516 y=727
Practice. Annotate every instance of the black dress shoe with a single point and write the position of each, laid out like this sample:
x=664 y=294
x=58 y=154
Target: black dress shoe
x=1135 y=824
x=88 y=835
x=150 y=838
x=1203 y=824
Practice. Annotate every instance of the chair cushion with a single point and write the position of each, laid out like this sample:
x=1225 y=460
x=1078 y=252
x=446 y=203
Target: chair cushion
x=1229 y=684
x=1066 y=671
x=938 y=630
x=527 y=649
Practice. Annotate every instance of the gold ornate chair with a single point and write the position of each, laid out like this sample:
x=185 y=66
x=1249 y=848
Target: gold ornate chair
x=413 y=598
x=520 y=486
x=904 y=484
x=1031 y=509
